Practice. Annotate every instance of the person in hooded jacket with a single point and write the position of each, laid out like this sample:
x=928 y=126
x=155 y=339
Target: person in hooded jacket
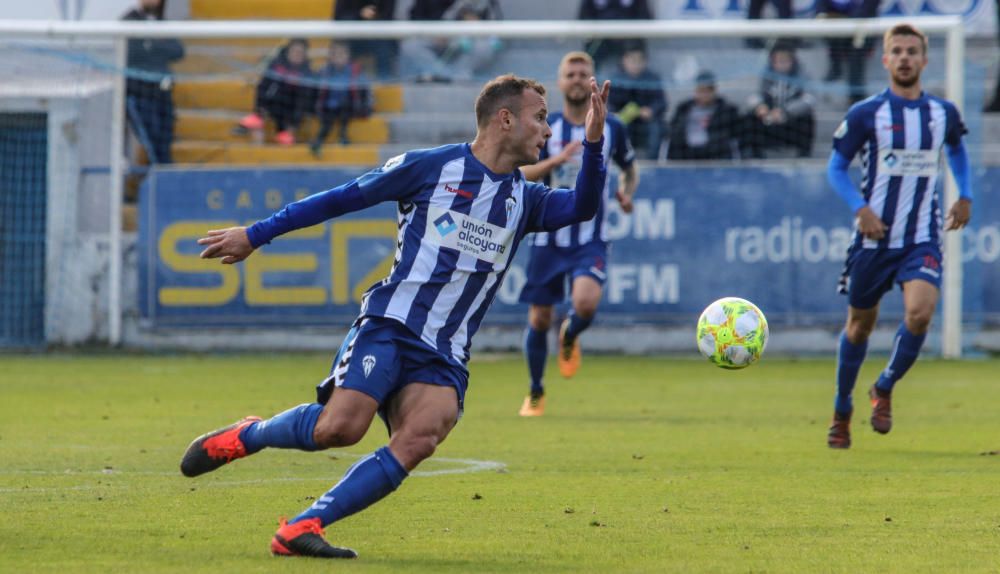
x=781 y=114
x=285 y=93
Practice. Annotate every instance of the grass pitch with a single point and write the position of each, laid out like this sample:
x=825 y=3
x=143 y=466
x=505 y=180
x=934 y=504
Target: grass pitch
x=639 y=465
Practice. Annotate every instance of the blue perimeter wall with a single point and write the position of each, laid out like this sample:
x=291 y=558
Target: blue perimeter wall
x=774 y=236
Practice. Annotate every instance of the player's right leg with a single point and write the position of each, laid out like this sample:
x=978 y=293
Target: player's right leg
x=419 y=415
x=867 y=277
x=850 y=355
x=586 y=295
x=308 y=427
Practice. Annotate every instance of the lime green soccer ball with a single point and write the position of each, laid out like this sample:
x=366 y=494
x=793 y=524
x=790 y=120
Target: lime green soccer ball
x=732 y=333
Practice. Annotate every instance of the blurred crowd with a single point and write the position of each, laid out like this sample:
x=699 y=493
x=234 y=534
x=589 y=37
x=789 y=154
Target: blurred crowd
x=780 y=115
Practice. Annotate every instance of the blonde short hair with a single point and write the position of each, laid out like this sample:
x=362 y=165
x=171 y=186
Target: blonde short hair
x=904 y=30
x=575 y=58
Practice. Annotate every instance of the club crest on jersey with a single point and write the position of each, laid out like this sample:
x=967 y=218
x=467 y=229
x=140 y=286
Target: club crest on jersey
x=841 y=130
x=510 y=204
x=445 y=224
x=368 y=363
x=393 y=162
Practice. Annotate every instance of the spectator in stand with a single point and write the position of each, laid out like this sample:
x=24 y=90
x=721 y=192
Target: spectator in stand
x=849 y=52
x=149 y=87
x=448 y=59
x=637 y=98
x=994 y=106
x=782 y=113
x=285 y=93
x=344 y=94
x=606 y=51
x=384 y=51
x=704 y=127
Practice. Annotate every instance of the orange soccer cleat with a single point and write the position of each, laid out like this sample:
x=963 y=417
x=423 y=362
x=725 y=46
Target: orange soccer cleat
x=881 y=410
x=840 y=431
x=570 y=356
x=305 y=538
x=212 y=450
x=533 y=406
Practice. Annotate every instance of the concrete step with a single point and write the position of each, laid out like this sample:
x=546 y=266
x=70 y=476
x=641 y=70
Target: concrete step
x=247 y=154
x=261 y=9
x=431 y=129
x=238 y=94
x=441 y=98
x=210 y=63
x=215 y=125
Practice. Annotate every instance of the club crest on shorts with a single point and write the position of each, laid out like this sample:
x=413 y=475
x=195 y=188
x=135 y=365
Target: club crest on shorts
x=368 y=363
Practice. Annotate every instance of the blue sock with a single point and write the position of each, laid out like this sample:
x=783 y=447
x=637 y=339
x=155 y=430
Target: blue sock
x=290 y=429
x=367 y=481
x=905 y=349
x=849 y=359
x=577 y=325
x=536 y=350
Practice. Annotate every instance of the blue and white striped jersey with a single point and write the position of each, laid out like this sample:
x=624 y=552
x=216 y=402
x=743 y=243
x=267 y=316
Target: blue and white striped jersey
x=459 y=227
x=899 y=143
x=616 y=147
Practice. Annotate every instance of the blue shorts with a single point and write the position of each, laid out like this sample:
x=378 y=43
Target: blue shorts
x=550 y=268
x=380 y=356
x=870 y=273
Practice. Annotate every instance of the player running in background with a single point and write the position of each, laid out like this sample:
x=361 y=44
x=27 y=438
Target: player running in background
x=898 y=134
x=462 y=211
x=577 y=253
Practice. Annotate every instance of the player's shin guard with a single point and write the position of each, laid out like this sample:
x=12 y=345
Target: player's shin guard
x=905 y=350
x=367 y=481
x=849 y=360
x=290 y=429
x=536 y=349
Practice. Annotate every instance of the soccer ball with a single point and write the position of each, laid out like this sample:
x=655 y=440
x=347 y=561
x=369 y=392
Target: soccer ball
x=732 y=333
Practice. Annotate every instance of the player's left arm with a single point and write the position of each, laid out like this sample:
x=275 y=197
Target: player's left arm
x=234 y=244
x=396 y=180
x=624 y=157
x=958 y=159
x=961 y=211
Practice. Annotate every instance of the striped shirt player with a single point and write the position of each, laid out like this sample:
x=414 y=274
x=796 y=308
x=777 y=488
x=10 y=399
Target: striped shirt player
x=462 y=211
x=459 y=228
x=898 y=136
x=899 y=143
x=575 y=256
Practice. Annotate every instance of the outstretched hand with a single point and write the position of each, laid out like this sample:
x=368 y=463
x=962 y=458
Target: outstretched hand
x=958 y=215
x=231 y=244
x=598 y=111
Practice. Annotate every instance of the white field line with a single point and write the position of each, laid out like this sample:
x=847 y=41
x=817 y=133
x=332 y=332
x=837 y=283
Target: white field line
x=463 y=466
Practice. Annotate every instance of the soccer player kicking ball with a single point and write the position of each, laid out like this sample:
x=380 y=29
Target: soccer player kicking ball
x=462 y=210
x=577 y=253
x=899 y=133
